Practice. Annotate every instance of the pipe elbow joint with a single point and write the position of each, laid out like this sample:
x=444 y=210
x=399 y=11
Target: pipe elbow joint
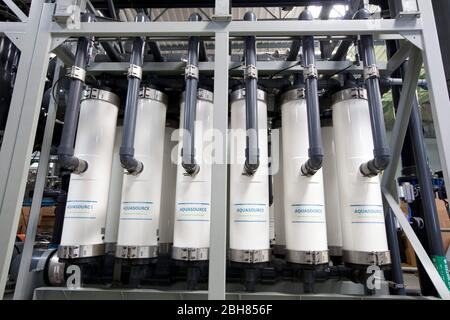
x=191 y=168
x=310 y=167
x=250 y=168
x=72 y=163
x=373 y=167
x=132 y=165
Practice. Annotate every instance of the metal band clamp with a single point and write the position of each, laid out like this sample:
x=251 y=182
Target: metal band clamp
x=191 y=72
x=371 y=71
x=250 y=72
x=77 y=73
x=311 y=72
x=134 y=71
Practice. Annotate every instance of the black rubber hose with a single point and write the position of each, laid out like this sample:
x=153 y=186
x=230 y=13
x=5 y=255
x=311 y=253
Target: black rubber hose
x=315 y=152
x=188 y=151
x=127 y=159
x=381 y=150
x=66 y=156
x=251 y=104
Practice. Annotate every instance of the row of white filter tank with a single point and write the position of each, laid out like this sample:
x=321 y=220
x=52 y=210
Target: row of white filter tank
x=335 y=212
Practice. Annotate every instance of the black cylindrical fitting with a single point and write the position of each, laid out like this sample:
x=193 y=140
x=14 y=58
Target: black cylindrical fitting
x=315 y=153
x=251 y=103
x=190 y=105
x=127 y=159
x=66 y=156
x=381 y=150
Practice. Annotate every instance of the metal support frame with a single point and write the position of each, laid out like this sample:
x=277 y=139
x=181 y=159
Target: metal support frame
x=14 y=8
x=21 y=128
x=39 y=31
x=217 y=255
x=22 y=290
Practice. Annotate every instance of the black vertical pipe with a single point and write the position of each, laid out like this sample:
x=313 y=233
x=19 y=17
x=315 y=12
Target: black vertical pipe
x=251 y=103
x=127 y=159
x=203 y=56
x=441 y=13
x=293 y=51
x=188 y=151
x=315 y=153
x=430 y=236
x=381 y=149
x=111 y=51
x=431 y=217
x=156 y=52
x=66 y=148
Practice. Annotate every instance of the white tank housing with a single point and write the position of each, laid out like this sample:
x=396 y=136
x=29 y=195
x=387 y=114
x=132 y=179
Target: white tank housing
x=305 y=221
x=193 y=193
x=362 y=217
x=115 y=195
x=87 y=198
x=278 y=193
x=141 y=193
x=168 y=192
x=330 y=181
x=249 y=195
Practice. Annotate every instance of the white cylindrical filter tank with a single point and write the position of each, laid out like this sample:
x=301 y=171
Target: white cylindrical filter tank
x=330 y=180
x=115 y=195
x=249 y=195
x=362 y=217
x=166 y=219
x=193 y=192
x=87 y=198
x=305 y=222
x=141 y=193
x=278 y=194
x=271 y=204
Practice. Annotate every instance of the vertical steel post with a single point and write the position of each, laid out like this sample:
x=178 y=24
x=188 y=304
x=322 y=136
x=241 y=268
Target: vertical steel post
x=24 y=279
x=437 y=85
x=21 y=128
x=217 y=259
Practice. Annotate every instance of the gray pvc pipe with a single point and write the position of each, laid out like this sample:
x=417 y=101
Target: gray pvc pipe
x=381 y=150
x=66 y=156
x=251 y=105
x=127 y=159
x=188 y=151
x=315 y=153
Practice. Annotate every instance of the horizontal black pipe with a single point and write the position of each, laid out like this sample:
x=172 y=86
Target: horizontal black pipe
x=188 y=151
x=127 y=159
x=66 y=156
x=315 y=153
x=251 y=104
x=381 y=151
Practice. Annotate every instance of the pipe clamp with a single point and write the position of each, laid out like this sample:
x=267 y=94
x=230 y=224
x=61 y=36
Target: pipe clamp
x=311 y=72
x=250 y=72
x=77 y=73
x=191 y=72
x=134 y=71
x=371 y=71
